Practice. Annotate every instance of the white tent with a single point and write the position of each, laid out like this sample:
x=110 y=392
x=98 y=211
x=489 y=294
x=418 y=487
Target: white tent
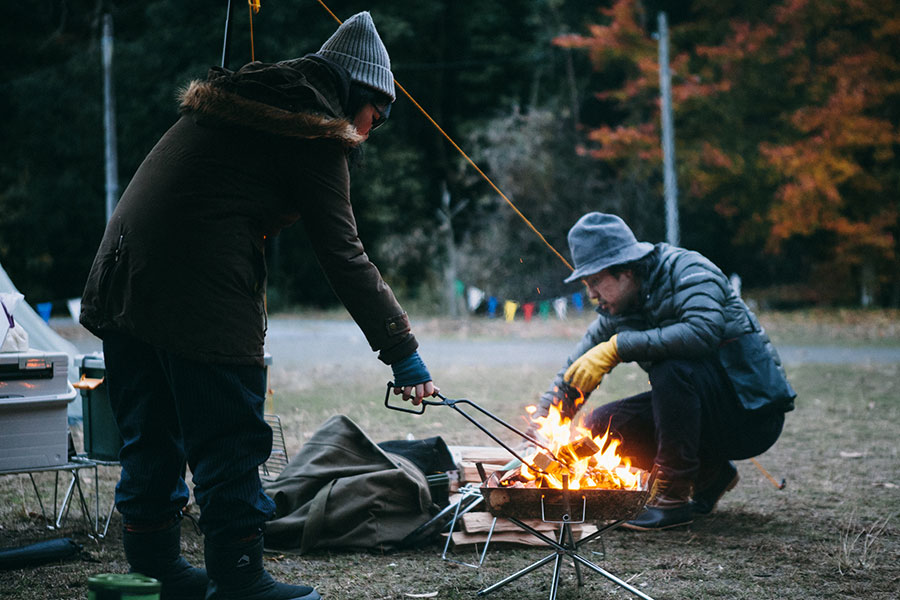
x=41 y=336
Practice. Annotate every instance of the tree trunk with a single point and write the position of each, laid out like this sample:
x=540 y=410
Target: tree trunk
x=868 y=285
x=445 y=214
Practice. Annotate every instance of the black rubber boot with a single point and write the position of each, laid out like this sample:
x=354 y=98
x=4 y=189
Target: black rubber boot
x=236 y=573
x=670 y=507
x=156 y=552
x=710 y=492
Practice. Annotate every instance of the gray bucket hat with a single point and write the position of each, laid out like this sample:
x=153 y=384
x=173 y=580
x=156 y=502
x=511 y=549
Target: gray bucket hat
x=599 y=241
x=357 y=47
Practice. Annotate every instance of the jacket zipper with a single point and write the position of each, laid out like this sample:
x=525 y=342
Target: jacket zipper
x=119 y=247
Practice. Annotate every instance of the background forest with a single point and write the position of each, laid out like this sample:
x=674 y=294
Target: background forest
x=786 y=114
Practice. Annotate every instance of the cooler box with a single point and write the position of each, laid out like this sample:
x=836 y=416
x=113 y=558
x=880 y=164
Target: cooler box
x=101 y=435
x=34 y=431
x=33 y=373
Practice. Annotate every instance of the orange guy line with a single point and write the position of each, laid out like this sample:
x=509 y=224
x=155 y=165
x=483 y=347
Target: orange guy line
x=470 y=161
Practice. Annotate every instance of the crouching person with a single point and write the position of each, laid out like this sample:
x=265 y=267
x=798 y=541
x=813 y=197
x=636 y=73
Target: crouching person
x=718 y=391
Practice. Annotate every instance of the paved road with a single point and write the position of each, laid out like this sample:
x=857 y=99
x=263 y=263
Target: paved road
x=319 y=342
x=299 y=342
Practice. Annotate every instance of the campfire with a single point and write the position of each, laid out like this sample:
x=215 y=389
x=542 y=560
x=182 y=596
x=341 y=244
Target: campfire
x=573 y=458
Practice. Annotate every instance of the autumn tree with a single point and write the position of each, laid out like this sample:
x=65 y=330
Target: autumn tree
x=786 y=133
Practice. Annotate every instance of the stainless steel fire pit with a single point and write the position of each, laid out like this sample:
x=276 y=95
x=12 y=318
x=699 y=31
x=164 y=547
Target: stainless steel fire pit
x=552 y=505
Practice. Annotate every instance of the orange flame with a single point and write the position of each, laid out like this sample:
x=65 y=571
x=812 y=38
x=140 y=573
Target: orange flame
x=583 y=467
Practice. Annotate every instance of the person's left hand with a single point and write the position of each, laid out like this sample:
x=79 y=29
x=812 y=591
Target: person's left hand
x=588 y=369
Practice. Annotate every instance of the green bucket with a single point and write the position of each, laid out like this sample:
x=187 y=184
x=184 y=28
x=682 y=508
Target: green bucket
x=118 y=586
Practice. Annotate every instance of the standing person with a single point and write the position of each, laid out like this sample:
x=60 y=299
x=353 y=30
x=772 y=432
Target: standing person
x=177 y=293
x=718 y=391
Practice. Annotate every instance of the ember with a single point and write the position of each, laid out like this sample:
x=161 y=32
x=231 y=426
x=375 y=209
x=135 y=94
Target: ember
x=577 y=458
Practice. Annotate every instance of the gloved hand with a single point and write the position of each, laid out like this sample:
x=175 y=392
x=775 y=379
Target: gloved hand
x=588 y=369
x=412 y=379
x=568 y=399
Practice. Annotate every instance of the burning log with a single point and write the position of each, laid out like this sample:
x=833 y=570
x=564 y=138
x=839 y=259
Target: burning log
x=545 y=462
x=579 y=449
x=584 y=447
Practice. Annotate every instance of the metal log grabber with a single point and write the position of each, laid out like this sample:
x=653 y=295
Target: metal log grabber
x=454 y=404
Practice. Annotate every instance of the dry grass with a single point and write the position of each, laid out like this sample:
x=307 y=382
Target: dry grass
x=860 y=545
x=832 y=533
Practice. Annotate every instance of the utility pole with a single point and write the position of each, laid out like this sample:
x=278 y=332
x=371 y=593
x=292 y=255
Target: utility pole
x=109 y=119
x=670 y=182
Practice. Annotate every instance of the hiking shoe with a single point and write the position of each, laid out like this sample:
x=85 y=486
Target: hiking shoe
x=671 y=507
x=705 y=499
x=655 y=518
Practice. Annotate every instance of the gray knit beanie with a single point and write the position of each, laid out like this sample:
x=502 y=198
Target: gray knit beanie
x=357 y=47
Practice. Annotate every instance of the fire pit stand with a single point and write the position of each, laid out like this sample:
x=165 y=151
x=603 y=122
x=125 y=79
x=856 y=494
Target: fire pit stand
x=564 y=546
x=565 y=507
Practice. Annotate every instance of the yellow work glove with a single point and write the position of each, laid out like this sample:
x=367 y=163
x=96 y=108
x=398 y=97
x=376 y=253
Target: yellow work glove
x=588 y=369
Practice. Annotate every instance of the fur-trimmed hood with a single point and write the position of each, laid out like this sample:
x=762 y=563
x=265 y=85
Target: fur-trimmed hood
x=209 y=100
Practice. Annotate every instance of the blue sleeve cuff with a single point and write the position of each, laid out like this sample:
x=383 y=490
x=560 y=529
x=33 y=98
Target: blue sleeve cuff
x=410 y=371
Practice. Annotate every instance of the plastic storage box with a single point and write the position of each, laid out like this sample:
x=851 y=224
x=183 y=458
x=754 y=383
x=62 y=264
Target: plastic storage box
x=33 y=373
x=34 y=431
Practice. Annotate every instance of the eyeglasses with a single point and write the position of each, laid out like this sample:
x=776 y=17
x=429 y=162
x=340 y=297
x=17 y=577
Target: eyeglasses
x=383 y=114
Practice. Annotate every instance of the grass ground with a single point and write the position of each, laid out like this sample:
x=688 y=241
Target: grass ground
x=833 y=532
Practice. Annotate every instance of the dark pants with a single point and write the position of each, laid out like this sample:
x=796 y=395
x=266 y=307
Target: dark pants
x=689 y=424
x=170 y=410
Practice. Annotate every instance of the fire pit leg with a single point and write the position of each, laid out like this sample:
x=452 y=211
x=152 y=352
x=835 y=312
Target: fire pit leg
x=567 y=529
x=565 y=546
x=557 y=568
x=518 y=574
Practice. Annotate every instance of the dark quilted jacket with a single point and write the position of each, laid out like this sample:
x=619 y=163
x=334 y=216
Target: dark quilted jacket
x=688 y=309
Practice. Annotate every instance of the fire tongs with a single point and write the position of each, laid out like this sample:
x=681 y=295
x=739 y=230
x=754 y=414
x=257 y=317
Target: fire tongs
x=454 y=404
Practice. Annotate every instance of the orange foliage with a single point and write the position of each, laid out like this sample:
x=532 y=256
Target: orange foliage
x=620 y=142
x=826 y=145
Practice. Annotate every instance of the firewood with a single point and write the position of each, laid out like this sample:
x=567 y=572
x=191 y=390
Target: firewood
x=584 y=447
